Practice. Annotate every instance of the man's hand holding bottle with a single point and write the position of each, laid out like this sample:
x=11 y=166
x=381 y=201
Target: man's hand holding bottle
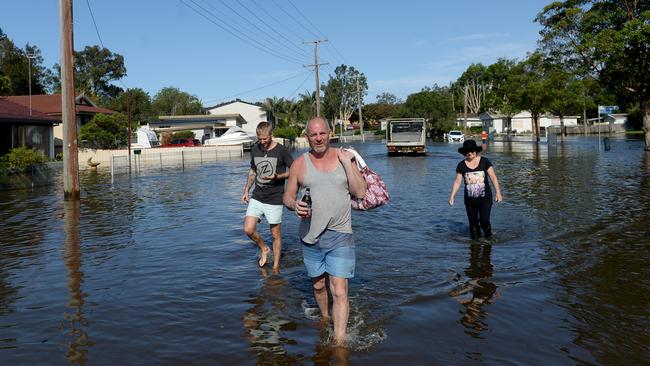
x=303 y=207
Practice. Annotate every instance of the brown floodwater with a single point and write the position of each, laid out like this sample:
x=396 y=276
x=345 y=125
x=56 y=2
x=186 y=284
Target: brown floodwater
x=154 y=269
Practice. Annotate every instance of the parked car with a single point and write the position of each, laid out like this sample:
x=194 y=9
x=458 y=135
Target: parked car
x=183 y=142
x=455 y=136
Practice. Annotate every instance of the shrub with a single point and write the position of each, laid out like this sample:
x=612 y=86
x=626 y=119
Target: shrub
x=21 y=158
x=183 y=135
x=287 y=132
x=105 y=131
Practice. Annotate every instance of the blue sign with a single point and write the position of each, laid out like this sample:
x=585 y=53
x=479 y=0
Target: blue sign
x=607 y=109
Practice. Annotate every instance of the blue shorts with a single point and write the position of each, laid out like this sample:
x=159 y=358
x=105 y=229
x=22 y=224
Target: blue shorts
x=273 y=213
x=332 y=254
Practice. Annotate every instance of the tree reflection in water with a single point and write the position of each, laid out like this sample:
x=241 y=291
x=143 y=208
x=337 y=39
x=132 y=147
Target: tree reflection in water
x=266 y=321
x=77 y=348
x=476 y=292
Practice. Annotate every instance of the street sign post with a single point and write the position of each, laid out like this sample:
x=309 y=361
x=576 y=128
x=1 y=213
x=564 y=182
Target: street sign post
x=604 y=109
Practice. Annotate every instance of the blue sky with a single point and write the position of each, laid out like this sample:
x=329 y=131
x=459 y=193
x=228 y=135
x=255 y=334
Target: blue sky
x=401 y=46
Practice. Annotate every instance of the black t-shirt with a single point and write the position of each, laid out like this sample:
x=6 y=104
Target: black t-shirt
x=265 y=163
x=477 y=184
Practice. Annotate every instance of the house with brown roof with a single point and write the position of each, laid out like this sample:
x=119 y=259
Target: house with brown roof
x=50 y=104
x=20 y=126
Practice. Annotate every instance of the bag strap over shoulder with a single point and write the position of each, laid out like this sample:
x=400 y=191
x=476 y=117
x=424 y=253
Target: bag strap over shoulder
x=360 y=162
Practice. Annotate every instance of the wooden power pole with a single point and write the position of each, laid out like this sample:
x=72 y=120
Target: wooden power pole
x=128 y=127
x=360 y=116
x=68 y=115
x=315 y=65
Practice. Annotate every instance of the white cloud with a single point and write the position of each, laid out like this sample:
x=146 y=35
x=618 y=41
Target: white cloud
x=476 y=36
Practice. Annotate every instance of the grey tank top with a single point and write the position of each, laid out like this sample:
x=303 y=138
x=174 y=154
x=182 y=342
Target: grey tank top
x=330 y=197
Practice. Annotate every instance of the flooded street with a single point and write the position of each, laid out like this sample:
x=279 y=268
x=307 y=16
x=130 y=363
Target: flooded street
x=155 y=268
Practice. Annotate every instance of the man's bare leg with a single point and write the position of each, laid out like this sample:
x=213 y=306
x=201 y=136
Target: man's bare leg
x=320 y=294
x=277 y=246
x=250 y=228
x=340 y=308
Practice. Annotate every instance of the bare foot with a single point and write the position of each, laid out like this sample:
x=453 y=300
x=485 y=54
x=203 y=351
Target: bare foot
x=276 y=270
x=339 y=342
x=264 y=256
x=324 y=321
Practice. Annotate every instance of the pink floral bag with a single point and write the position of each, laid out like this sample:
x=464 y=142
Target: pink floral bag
x=376 y=194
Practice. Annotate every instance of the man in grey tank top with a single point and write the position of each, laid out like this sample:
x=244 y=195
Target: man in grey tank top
x=332 y=177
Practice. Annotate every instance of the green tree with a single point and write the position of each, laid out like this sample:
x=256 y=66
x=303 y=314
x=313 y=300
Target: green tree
x=607 y=39
x=15 y=69
x=432 y=104
x=95 y=68
x=474 y=84
x=566 y=93
x=105 y=131
x=387 y=98
x=307 y=105
x=141 y=109
x=377 y=111
x=531 y=93
x=171 y=101
x=340 y=98
x=275 y=106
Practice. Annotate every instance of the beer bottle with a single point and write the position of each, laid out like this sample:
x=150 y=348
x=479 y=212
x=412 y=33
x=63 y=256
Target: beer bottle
x=306 y=198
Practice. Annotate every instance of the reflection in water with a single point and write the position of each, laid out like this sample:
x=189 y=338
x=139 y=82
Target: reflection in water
x=477 y=291
x=266 y=321
x=328 y=355
x=79 y=342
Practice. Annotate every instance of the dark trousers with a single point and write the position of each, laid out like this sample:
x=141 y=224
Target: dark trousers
x=478 y=214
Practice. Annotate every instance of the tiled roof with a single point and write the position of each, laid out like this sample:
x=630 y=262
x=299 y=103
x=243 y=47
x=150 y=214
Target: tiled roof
x=14 y=112
x=51 y=104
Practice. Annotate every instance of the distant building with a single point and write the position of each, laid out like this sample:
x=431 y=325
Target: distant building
x=85 y=110
x=521 y=122
x=20 y=127
x=252 y=114
x=204 y=126
x=616 y=118
x=473 y=120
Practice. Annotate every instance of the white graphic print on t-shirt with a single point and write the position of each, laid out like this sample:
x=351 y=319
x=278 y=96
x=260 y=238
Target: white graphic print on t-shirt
x=475 y=182
x=265 y=166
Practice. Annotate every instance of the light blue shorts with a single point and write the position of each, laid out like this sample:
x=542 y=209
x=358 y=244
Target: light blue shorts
x=273 y=213
x=333 y=253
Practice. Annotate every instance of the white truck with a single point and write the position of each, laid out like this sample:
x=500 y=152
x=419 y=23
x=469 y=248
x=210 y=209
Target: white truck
x=406 y=136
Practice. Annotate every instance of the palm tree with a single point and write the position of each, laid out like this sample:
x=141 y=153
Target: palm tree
x=309 y=99
x=274 y=106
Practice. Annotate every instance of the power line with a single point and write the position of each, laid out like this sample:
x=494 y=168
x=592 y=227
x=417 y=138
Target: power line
x=300 y=86
x=100 y=37
x=271 y=28
x=277 y=21
x=294 y=19
x=94 y=23
x=263 y=32
x=256 y=89
x=316 y=28
x=307 y=19
x=251 y=42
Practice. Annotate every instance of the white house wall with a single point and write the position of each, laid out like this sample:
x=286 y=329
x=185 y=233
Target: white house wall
x=252 y=114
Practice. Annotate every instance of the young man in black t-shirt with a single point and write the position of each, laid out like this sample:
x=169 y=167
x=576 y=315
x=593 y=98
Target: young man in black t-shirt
x=269 y=169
